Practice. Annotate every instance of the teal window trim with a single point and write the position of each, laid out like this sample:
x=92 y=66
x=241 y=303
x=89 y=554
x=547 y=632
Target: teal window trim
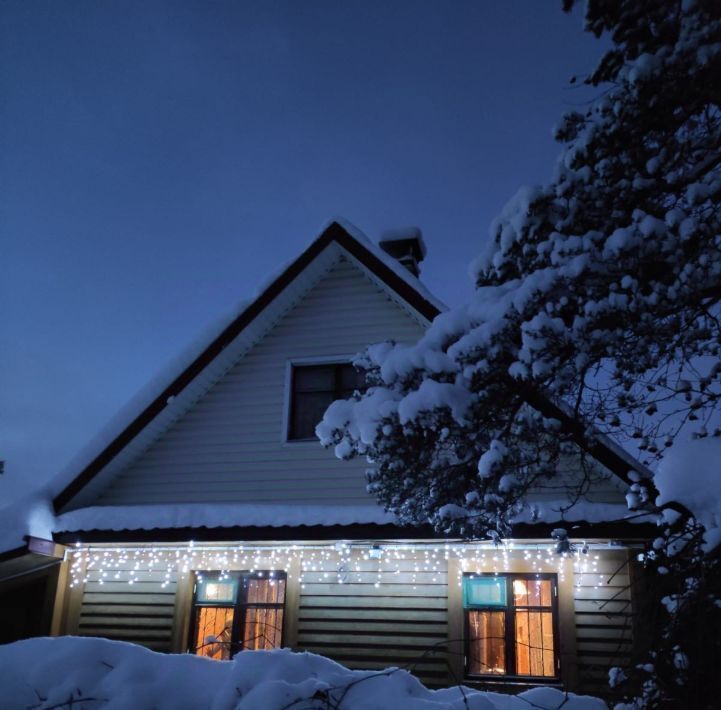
x=201 y=586
x=480 y=592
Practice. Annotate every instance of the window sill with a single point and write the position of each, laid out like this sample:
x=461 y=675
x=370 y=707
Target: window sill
x=518 y=683
x=294 y=442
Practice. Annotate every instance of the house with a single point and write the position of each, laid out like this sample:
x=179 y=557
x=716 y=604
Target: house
x=213 y=521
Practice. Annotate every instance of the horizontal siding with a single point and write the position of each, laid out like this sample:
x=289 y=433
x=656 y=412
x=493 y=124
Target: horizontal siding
x=603 y=616
x=402 y=622
x=604 y=486
x=229 y=446
x=139 y=613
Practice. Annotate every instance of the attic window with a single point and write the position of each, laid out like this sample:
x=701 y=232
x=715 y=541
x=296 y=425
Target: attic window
x=313 y=388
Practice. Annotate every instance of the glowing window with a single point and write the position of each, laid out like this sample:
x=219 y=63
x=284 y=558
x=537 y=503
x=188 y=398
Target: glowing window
x=510 y=625
x=237 y=611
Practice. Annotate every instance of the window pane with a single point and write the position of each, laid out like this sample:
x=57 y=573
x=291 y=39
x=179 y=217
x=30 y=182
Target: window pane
x=308 y=411
x=484 y=591
x=265 y=590
x=350 y=380
x=213 y=634
x=532 y=592
x=212 y=590
x=549 y=659
x=262 y=629
x=545 y=592
x=534 y=643
x=487 y=642
x=314 y=378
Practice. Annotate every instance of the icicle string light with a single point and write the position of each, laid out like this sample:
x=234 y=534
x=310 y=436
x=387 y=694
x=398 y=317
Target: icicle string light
x=335 y=562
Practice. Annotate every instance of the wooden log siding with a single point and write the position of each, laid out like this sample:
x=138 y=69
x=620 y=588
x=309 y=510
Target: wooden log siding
x=401 y=622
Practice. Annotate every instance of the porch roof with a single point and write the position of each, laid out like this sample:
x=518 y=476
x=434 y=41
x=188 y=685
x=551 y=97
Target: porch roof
x=241 y=521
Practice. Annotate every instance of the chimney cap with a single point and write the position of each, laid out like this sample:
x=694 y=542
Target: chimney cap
x=407 y=241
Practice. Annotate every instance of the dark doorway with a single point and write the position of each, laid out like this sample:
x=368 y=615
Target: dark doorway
x=26 y=604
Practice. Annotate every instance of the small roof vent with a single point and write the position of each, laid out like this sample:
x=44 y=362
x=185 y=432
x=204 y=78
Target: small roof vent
x=406 y=245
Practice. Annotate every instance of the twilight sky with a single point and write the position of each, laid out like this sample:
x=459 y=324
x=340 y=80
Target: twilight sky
x=159 y=159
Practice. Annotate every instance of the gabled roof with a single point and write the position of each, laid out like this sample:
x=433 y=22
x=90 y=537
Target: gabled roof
x=391 y=274
x=161 y=409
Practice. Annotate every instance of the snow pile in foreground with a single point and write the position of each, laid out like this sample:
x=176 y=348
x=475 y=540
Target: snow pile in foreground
x=89 y=673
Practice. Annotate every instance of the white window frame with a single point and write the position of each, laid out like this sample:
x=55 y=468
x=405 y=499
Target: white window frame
x=287 y=392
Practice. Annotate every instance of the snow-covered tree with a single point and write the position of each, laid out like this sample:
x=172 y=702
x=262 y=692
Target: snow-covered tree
x=597 y=309
x=600 y=293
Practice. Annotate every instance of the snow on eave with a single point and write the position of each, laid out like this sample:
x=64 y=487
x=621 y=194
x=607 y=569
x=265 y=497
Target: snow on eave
x=128 y=424
x=177 y=516
x=218 y=515
x=29 y=517
x=582 y=512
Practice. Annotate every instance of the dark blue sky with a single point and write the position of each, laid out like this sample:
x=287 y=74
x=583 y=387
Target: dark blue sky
x=158 y=160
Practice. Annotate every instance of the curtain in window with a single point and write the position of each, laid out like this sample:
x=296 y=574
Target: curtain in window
x=487 y=647
x=214 y=631
x=534 y=627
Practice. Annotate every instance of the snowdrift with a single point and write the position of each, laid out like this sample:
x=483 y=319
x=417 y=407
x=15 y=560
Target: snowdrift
x=90 y=673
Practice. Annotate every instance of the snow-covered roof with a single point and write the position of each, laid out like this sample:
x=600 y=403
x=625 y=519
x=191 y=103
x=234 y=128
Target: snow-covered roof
x=247 y=515
x=34 y=517
x=172 y=392
x=217 y=515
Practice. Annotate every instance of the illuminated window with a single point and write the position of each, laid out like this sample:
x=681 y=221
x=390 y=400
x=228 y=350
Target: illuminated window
x=241 y=610
x=313 y=388
x=510 y=625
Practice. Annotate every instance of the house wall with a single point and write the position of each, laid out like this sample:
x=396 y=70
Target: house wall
x=230 y=447
x=402 y=622
x=414 y=618
x=603 y=618
x=142 y=612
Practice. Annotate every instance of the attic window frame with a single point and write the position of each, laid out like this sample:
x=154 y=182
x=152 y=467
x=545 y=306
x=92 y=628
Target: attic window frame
x=290 y=400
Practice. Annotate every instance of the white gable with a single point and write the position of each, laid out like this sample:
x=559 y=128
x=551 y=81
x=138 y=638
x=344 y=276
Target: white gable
x=229 y=446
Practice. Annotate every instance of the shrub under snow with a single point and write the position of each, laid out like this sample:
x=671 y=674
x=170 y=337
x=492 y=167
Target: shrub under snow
x=90 y=673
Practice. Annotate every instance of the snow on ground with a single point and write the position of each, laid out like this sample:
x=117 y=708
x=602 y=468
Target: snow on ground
x=89 y=673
